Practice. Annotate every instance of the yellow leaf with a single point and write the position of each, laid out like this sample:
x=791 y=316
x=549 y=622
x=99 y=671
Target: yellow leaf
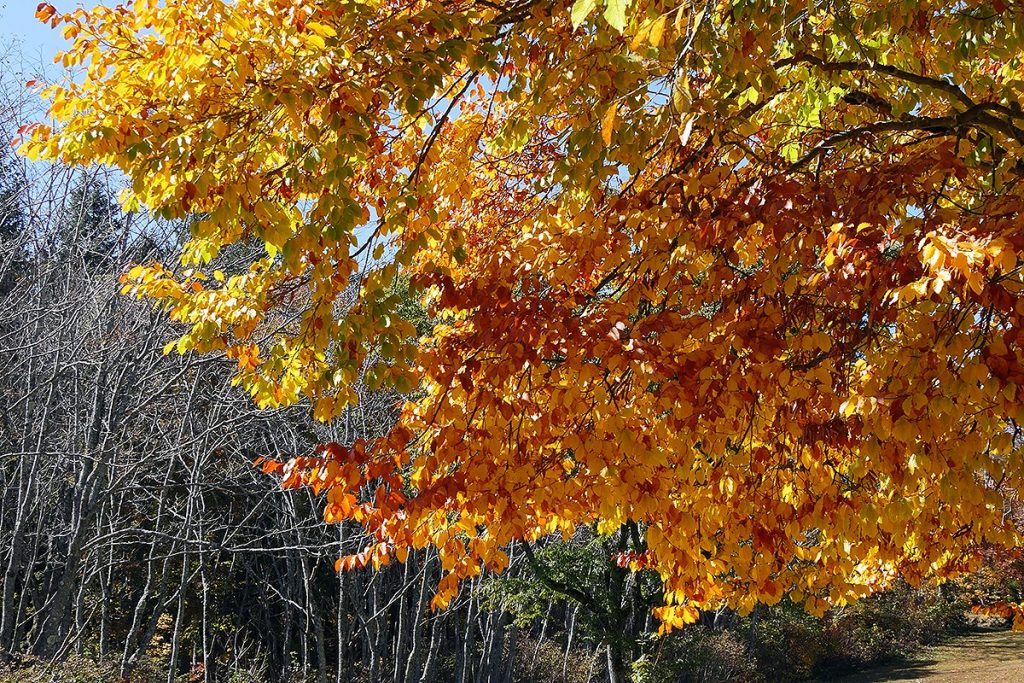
x=682 y=100
x=615 y=13
x=581 y=9
x=608 y=123
x=322 y=30
x=651 y=31
x=657 y=31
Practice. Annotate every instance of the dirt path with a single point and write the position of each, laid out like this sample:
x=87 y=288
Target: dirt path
x=987 y=657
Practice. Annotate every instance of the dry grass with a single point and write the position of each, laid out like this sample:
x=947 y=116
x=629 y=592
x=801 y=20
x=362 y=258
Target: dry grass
x=985 y=657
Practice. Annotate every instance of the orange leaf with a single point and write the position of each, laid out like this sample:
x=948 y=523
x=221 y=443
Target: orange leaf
x=608 y=123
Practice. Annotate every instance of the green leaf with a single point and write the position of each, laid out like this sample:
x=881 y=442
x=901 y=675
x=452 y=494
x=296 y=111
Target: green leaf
x=749 y=95
x=581 y=9
x=615 y=13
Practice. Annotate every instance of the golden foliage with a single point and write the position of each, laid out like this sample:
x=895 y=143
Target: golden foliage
x=745 y=273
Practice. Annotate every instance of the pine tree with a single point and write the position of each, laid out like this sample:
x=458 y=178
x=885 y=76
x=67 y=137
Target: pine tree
x=12 y=188
x=12 y=221
x=92 y=221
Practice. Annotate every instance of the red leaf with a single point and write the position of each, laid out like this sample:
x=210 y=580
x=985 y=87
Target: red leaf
x=44 y=11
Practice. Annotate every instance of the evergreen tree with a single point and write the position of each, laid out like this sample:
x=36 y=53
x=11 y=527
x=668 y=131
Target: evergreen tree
x=12 y=187
x=12 y=221
x=92 y=221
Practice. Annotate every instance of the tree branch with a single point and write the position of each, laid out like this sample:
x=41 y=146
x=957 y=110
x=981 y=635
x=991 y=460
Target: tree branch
x=568 y=591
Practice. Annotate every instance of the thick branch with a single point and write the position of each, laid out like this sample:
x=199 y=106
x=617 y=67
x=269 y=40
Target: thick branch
x=931 y=124
x=568 y=591
x=910 y=77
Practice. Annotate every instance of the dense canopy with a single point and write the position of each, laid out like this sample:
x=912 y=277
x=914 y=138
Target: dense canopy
x=741 y=275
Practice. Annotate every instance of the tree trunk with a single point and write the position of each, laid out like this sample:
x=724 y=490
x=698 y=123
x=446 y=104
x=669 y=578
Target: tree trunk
x=617 y=672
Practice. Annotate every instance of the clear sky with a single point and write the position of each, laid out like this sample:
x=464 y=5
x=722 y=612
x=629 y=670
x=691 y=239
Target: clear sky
x=22 y=33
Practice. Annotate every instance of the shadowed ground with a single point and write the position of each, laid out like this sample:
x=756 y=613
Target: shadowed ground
x=987 y=657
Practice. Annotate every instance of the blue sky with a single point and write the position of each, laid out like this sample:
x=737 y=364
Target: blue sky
x=20 y=30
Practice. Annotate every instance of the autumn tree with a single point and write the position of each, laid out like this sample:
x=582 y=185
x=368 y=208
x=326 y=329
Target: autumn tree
x=136 y=538
x=743 y=274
